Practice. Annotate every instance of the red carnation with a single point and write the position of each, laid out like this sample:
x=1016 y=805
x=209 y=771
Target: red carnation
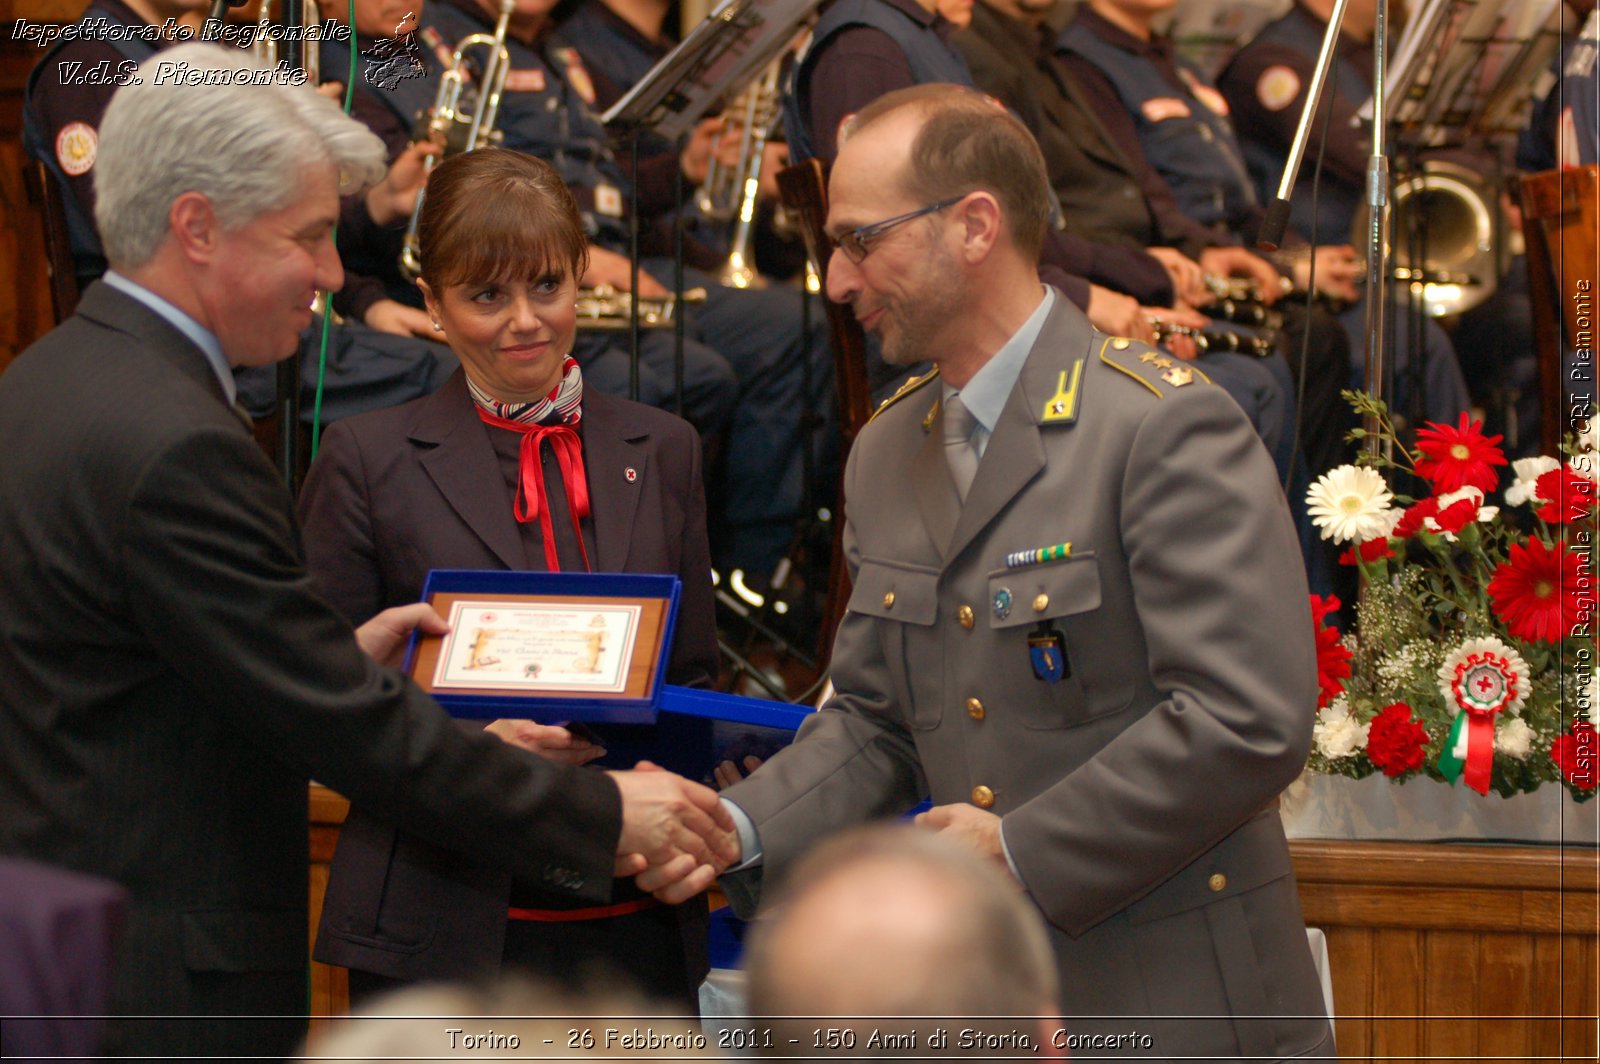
x=1543 y=594
x=1371 y=551
x=1576 y=754
x=1571 y=496
x=1457 y=457
x=1333 y=657
x=1411 y=521
x=1395 y=741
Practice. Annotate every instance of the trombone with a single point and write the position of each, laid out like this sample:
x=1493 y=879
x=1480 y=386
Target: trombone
x=453 y=126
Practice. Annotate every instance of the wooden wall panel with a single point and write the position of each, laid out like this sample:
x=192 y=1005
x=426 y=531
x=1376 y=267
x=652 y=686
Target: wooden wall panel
x=1450 y=978
x=1505 y=967
x=1350 y=956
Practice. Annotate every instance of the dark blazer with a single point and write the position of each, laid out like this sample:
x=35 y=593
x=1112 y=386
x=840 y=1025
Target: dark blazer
x=1137 y=792
x=169 y=681
x=398 y=492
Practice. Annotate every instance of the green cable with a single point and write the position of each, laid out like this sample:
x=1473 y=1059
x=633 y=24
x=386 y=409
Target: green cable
x=327 y=303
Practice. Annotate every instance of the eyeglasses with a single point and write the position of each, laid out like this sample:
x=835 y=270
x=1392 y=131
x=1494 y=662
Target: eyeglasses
x=853 y=242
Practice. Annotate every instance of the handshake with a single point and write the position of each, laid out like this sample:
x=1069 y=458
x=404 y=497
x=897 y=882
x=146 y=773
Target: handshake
x=677 y=836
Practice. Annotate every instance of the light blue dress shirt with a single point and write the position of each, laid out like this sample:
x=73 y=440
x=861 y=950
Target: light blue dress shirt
x=199 y=334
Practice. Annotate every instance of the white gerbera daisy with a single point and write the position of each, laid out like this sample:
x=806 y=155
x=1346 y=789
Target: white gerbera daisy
x=1350 y=504
x=1484 y=675
x=1514 y=738
x=1526 y=473
x=1337 y=733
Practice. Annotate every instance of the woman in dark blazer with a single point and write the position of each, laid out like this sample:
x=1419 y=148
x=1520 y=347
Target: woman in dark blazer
x=512 y=464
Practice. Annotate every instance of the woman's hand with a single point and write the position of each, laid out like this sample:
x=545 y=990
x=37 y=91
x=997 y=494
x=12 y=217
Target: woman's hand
x=549 y=741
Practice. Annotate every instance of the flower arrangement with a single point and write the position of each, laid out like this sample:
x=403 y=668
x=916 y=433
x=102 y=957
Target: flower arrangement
x=1473 y=652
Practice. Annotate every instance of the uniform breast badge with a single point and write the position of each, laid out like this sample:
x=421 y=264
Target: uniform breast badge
x=1047 y=653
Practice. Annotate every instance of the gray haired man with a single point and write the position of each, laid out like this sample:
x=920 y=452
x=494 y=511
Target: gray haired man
x=168 y=681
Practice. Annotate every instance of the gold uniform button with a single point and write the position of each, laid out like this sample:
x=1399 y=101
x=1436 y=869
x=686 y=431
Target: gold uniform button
x=1120 y=343
x=888 y=599
x=1041 y=603
x=964 y=615
x=975 y=709
x=982 y=797
x=1217 y=882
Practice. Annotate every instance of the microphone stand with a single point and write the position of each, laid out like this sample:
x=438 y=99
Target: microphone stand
x=1277 y=218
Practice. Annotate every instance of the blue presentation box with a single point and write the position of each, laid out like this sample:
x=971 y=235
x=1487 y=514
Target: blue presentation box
x=475 y=599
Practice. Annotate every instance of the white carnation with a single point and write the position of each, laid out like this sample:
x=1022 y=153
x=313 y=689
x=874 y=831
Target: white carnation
x=1526 y=473
x=1514 y=738
x=1337 y=733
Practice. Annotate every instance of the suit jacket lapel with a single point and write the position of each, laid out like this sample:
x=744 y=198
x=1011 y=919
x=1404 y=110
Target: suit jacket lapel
x=460 y=460
x=114 y=309
x=1015 y=454
x=610 y=449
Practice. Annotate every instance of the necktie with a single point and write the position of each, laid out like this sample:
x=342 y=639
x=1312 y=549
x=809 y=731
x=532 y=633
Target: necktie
x=959 y=453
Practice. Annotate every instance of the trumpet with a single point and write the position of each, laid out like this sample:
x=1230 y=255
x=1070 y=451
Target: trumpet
x=264 y=45
x=730 y=192
x=455 y=128
x=604 y=308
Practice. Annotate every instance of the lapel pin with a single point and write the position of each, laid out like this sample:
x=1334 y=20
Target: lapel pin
x=631 y=473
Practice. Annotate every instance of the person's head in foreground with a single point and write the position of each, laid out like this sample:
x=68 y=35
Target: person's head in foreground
x=883 y=934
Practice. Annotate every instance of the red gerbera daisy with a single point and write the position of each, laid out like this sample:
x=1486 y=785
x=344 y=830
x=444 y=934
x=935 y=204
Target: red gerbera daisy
x=1571 y=496
x=1577 y=755
x=1456 y=457
x=1395 y=741
x=1543 y=594
x=1333 y=657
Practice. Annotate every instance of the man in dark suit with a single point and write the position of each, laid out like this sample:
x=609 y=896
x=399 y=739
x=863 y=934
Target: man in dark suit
x=168 y=679
x=1079 y=618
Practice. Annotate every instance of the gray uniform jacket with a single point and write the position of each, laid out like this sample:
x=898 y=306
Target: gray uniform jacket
x=1137 y=793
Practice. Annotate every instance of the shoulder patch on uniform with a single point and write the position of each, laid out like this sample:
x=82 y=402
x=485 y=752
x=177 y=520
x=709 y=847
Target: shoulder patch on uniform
x=912 y=385
x=76 y=146
x=1277 y=87
x=1156 y=370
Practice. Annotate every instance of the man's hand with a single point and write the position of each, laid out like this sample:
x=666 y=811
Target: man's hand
x=676 y=836
x=1230 y=261
x=1338 y=272
x=1179 y=345
x=384 y=637
x=547 y=740
x=968 y=825
x=609 y=268
x=393 y=199
x=1188 y=277
x=394 y=317
x=712 y=137
x=1117 y=314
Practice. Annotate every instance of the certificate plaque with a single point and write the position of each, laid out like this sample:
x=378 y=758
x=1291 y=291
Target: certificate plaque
x=547 y=646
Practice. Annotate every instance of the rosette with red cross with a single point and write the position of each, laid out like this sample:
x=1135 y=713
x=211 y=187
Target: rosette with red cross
x=1479 y=680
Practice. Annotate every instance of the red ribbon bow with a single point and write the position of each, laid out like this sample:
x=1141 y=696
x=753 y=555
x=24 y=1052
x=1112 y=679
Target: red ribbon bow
x=533 y=501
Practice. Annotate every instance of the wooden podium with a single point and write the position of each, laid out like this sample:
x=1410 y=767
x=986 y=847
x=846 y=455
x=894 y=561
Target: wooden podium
x=1438 y=951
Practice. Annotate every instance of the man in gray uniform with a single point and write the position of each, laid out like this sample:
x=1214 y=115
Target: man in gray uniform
x=1079 y=619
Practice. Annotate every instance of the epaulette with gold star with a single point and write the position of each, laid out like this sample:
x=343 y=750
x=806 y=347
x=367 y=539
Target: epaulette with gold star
x=912 y=385
x=1155 y=369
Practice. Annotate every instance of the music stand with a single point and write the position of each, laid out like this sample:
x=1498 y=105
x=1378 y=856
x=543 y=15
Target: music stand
x=738 y=38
